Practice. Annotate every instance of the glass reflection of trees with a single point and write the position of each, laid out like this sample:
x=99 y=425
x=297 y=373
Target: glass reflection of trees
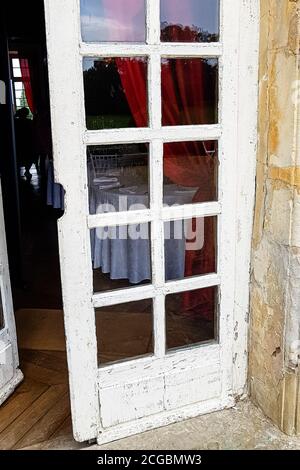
x=171 y=32
x=105 y=101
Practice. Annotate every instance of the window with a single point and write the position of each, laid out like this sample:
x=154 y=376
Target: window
x=160 y=184
x=20 y=99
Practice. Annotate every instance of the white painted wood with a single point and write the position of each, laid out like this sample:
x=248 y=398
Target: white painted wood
x=151 y=366
x=206 y=371
x=162 y=419
x=67 y=116
x=135 y=294
x=10 y=386
x=151 y=395
x=196 y=282
x=197 y=384
x=10 y=375
x=228 y=150
x=7 y=368
x=246 y=170
x=122 y=296
x=165 y=213
x=153 y=22
x=135 y=400
x=205 y=209
x=119 y=218
x=166 y=134
x=166 y=50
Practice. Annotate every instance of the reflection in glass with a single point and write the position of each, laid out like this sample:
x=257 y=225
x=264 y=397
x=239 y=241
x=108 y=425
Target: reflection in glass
x=190 y=247
x=124 y=331
x=118 y=177
x=189 y=91
x=189 y=20
x=191 y=317
x=115 y=91
x=113 y=20
x=121 y=256
x=190 y=172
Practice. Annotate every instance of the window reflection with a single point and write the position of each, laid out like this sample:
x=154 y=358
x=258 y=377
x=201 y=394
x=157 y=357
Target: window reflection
x=115 y=92
x=193 y=168
x=189 y=20
x=189 y=91
x=191 y=317
x=113 y=20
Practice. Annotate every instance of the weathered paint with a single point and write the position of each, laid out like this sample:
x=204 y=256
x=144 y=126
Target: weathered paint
x=117 y=400
x=275 y=294
x=10 y=375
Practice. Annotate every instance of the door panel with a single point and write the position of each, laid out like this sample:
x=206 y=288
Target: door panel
x=10 y=375
x=179 y=377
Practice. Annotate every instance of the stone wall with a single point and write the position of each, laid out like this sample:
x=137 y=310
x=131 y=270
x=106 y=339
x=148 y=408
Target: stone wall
x=275 y=288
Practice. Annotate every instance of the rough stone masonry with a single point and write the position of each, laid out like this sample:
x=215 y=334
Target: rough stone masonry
x=275 y=286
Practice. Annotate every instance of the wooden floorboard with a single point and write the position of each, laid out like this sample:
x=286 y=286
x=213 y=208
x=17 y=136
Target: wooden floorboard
x=47 y=359
x=38 y=413
x=30 y=417
x=20 y=401
x=45 y=376
x=64 y=429
x=47 y=425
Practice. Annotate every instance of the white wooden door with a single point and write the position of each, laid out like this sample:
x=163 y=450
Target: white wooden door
x=10 y=374
x=110 y=401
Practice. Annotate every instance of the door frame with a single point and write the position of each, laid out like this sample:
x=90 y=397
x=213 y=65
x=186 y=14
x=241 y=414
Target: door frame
x=239 y=107
x=9 y=356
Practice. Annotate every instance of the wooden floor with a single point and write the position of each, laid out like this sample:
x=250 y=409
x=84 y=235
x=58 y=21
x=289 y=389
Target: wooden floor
x=38 y=413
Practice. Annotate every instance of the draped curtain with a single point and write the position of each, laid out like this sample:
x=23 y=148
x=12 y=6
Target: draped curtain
x=185 y=163
x=26 y=79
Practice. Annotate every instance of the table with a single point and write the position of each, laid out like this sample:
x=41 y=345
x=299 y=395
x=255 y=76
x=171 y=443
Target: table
x=124 y=252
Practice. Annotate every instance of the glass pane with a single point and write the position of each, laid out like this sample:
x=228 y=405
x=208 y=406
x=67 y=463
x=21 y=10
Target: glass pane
x=124 y=331
x=121 y=256
x=115 y=92
x=17 y=72
x=191 y=317
x=113 y=20
x=118 y=177
x=190 y=172
x=18 y=85
x=190 y=247
x=16 y=63
x=189 y=20
x=189 y=91
x=1 y=313
x=19 y=94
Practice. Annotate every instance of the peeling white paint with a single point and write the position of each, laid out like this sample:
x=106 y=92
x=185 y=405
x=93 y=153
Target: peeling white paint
x=154 y=391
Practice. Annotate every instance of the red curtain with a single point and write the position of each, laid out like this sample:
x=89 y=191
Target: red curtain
x=26 y=78
x=187 y=163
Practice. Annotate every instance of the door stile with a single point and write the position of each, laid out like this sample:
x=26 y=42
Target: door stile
x=67 y=116
x=228 y=95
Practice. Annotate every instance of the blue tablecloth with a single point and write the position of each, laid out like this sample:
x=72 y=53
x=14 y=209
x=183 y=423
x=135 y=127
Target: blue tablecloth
x=55 y=192
x=124 y=252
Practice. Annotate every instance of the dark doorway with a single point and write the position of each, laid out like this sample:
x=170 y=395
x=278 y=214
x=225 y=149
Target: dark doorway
x=30 y=217
x=38 y=412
